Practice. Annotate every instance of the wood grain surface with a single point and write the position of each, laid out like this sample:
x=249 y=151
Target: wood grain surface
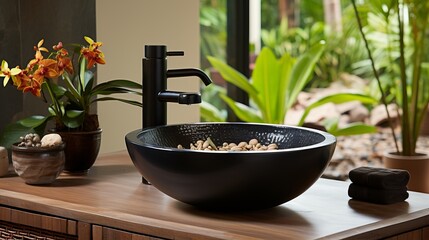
x=112 y=196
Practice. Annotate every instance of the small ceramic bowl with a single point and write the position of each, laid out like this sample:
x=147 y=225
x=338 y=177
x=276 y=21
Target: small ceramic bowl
x=37 y=165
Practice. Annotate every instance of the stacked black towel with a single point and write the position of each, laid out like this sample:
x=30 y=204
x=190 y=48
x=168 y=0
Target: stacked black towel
x=378 y=185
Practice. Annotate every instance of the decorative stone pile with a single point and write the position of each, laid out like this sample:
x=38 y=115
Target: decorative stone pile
x=364 y=150
x=34 y=140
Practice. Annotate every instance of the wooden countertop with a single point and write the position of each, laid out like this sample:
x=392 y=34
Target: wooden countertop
x=112 y=195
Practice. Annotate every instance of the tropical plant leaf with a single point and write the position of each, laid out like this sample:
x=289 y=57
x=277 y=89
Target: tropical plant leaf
x=233 y=76
x=301 y=72
x=265 y=78
x=337 y=99
x=211 y=114
x=286 y=63
x=354 y=129
x=244 y=112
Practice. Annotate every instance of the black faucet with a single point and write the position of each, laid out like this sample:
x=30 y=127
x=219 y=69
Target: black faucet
x=155 y=95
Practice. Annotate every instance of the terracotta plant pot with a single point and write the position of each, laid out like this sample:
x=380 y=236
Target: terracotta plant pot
x=37 y=165
x=81 y=150
x=417 y=166
x=424 y=131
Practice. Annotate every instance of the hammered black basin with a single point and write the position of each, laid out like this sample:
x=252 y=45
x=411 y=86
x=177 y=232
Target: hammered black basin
x=231 y=180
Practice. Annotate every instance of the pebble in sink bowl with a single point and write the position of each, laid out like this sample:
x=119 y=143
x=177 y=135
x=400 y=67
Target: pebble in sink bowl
x=221 y=180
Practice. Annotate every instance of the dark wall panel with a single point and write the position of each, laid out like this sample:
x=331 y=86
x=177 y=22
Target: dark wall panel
x=25 y=22
x=10 y=99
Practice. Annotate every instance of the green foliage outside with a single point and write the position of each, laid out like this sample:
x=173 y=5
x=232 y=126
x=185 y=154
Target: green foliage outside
x=274 y=87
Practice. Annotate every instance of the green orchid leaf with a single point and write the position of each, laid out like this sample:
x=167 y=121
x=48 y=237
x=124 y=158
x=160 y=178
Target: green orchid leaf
x=58 y=90
x=74 y=113
x=245 y=113
x=74 y=93
x=73 y=118
x=131 y=102
x=51 y=111
x=233 y=76
x=88 y=80
x=82 y=72
x=118 y=83
x=211 y=114
x=115 y=90
x=12 y=132
x=33 y=121
x=337 y=99
x=302 y=71
x=88 y=85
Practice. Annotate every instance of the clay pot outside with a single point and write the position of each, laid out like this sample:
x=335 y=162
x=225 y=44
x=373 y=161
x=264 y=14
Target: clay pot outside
x=417 y=166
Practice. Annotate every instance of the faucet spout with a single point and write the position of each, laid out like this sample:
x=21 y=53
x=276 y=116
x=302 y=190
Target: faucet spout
x=186 y=72
x=179 y=97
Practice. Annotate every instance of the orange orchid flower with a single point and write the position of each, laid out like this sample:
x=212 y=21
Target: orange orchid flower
x=64 y=62
x=47 y=68
x=39 y=49
x=33 y=86
x=29 y=83
x=92 y=53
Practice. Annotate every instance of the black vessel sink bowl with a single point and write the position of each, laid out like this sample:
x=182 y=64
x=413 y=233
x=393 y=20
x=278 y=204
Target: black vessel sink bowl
x=231 y=180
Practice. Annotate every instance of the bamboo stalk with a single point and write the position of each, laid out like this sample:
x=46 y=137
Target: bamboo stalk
x=407 y=137
x=383 y=95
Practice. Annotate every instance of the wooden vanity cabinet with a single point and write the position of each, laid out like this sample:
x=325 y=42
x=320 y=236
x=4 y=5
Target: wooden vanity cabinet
x=18 y=224
x=110 y=203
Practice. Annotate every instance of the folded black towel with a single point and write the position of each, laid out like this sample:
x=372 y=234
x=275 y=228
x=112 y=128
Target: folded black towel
x=379 y=196
x=381 y=178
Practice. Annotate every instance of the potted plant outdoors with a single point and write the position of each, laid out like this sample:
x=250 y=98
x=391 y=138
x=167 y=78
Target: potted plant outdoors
x=274 y=87
x=409 y=71
x=69 y=92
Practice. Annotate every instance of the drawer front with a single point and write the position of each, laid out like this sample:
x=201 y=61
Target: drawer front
x=105 y=233
x=35 y=221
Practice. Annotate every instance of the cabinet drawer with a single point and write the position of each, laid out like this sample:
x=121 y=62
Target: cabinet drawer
x=105 y=233
x=21 y=219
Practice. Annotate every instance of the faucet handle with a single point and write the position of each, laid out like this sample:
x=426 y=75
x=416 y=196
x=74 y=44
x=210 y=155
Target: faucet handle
x=175 y=53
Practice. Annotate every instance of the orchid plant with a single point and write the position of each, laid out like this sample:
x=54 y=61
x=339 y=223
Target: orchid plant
x=69 y=91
